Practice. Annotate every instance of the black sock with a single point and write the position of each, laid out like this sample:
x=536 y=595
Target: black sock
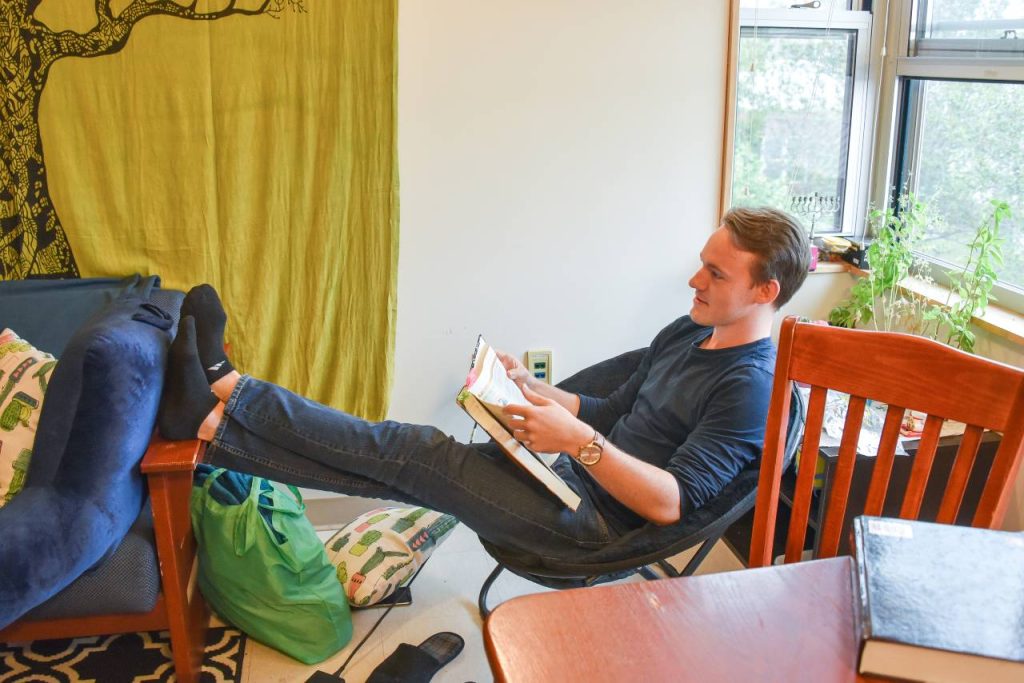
x=203 y=304
x=186 y=400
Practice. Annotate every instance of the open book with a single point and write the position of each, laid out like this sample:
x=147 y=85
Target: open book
x=488 y=389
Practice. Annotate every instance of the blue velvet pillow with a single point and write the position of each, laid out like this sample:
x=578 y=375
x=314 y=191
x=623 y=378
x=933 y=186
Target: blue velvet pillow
x=84 y=488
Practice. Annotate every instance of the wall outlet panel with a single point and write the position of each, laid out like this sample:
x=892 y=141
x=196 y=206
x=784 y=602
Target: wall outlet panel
x=538 y=362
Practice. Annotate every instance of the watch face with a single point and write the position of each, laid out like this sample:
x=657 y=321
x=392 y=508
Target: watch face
x=590 y=454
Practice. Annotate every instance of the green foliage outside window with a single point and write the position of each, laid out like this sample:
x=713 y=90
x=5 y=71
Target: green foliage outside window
x=792 y=120
x=971 y=148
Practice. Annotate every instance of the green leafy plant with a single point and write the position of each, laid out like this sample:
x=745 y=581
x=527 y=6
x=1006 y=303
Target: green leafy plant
x=879 y=299
x=971 y=289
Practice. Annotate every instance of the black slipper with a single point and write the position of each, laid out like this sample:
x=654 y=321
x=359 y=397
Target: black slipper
x=408 y=664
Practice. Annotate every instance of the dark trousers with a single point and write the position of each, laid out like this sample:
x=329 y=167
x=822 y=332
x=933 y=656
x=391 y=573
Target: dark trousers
x=274 y=433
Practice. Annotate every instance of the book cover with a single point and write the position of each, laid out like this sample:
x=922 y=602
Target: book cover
x=940 y=602
x=488 y=389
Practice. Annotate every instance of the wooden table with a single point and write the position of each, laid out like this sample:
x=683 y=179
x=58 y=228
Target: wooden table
x=788 y=623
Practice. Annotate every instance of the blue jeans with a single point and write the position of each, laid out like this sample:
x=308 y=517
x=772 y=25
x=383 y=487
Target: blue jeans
x=270 y=432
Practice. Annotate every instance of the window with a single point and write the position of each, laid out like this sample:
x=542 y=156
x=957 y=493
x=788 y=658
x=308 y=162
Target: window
x=963 y=151
x=958 y=94
x=799 y=121
x=968 y=28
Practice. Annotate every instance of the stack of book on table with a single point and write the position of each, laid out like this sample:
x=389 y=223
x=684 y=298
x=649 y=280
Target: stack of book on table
x=939 y=602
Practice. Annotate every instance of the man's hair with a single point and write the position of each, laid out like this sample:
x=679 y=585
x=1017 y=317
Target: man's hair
x=778 y=241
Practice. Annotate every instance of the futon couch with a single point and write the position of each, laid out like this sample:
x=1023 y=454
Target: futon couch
x=78 y=552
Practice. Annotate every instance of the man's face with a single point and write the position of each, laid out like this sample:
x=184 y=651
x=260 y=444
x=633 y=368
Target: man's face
x=724 y=287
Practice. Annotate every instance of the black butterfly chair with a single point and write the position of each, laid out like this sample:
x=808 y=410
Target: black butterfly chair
x=650 y=545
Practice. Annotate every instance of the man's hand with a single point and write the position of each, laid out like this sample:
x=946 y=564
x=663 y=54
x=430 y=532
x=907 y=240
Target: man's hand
x=517 y=372
x=547 y=426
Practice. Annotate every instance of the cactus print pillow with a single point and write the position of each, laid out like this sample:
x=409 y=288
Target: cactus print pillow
x=381 y=549
x=24 y=372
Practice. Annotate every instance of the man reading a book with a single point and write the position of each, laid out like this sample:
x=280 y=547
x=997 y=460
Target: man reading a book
x=688 y=420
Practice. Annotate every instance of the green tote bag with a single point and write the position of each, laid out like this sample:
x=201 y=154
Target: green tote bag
x=271 y=579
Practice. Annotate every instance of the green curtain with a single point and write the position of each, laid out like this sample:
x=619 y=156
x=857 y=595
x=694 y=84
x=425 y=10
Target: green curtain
x=254 y=150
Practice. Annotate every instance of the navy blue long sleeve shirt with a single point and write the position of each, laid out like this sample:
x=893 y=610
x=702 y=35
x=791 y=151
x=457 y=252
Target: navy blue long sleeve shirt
x=699 y=414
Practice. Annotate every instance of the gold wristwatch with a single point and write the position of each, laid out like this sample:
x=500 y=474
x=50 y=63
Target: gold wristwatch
x=590 y=453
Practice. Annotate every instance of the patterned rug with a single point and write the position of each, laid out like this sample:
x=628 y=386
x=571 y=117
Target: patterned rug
x=121 y=658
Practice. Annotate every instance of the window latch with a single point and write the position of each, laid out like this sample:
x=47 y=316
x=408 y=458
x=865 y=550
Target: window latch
x=813 y=4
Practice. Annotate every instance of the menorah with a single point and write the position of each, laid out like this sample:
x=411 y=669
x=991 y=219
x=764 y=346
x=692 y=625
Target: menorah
x=814 y=206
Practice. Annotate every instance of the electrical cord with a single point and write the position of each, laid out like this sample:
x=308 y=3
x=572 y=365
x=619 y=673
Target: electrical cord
x=321 y=677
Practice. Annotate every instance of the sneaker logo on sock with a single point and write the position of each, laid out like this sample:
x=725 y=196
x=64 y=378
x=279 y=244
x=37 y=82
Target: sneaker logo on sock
x=216 y=367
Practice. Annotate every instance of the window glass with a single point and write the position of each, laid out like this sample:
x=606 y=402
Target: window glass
x=793 y=110
x=965 y=146
x=982 y=28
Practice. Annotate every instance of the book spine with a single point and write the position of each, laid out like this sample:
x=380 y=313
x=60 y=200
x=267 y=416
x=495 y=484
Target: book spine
x=861 y=601
x=517 y=452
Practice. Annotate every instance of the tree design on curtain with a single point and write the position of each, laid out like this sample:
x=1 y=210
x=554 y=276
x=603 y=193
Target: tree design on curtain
x=32 y=240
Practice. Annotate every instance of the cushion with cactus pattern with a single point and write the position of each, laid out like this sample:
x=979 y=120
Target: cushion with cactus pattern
x=381 y=549
x=24 y=372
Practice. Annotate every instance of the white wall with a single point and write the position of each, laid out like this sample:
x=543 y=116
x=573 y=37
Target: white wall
x=559 y=165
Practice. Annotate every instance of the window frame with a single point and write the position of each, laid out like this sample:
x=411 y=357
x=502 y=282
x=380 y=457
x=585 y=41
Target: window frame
x=861 y=138
x=896 y=129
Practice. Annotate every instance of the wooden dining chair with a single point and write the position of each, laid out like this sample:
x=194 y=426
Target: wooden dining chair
x=904 y=372
x=148 y=582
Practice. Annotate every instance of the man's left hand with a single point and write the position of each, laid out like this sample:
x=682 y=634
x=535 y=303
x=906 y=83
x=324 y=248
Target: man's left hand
x=546 y=426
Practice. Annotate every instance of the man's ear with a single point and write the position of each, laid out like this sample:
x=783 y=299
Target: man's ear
x=767 y=292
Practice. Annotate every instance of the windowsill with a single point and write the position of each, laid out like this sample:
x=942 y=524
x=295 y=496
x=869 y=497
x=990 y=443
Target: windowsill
x=830 y=267
x=997 y=320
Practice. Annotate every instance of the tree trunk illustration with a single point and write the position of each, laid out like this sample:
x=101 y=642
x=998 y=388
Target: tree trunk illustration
x=32 y=239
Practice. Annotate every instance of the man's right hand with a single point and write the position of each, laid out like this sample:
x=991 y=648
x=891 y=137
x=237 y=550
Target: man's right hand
x=517 y=372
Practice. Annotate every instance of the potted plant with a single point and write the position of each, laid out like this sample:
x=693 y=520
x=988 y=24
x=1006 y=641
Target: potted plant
x=882 y=299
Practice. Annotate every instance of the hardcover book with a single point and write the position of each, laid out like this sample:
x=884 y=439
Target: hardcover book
x=940 y=602
x=488 y=389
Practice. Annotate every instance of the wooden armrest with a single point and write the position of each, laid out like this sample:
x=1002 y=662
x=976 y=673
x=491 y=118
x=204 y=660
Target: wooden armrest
x=172 y=456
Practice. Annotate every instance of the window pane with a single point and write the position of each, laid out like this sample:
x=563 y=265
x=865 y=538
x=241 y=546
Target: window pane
x=787 y=4
x=969 y=149
x=966 y=28
x=794 y=95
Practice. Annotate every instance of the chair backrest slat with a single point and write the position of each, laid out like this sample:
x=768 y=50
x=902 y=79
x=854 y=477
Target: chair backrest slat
x=911 y=373
x=805 y=479
x=881 y=473
x=832 y=525
x=762 y=535
x=958 y=476
x=992 y=506
x=921 y=468
x=995 y=498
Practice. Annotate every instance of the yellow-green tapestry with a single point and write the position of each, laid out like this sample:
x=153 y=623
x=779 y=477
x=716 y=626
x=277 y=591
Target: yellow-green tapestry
x=246 y=143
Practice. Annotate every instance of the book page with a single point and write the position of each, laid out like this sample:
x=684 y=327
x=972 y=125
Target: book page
x=488 y=381
x=491 y=383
